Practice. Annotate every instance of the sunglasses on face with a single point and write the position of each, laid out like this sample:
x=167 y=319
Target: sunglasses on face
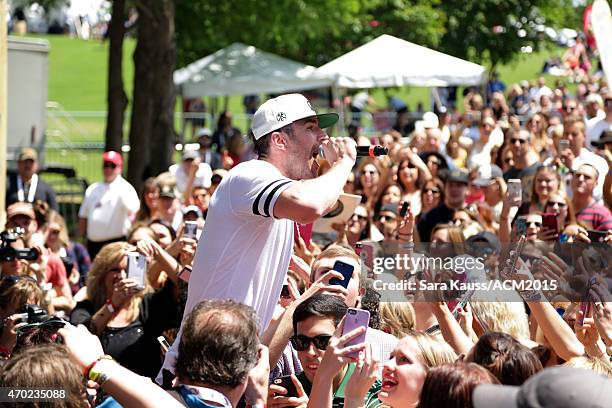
x=432 y=191
x=382 y=217
x=521 y=141
x=301 y=342
x=530 y=223
x=586 y=176
x=110 y=165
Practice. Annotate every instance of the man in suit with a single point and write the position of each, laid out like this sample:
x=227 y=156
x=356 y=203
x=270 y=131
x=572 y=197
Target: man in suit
x=26 y=186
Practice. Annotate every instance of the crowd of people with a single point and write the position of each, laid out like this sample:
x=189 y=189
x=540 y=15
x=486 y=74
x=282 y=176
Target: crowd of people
x=236 y=306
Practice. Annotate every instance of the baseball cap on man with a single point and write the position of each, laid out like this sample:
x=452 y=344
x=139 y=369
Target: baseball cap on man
x=557 y=387
x=457 y=176
x=113 y=157
x=20 y=208
x=486 y=174
x=283 y=110
x=27 y=153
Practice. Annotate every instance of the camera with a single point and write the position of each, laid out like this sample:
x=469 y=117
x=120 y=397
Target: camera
x=33 y=314
x=8 y=253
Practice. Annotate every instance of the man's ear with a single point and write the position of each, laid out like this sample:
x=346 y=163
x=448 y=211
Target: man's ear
x=278 y=140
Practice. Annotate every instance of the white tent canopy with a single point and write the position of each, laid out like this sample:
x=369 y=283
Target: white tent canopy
x=243 y=70
x=389 y=61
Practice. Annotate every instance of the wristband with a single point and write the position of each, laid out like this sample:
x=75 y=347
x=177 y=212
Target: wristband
x=95 y=374
x=89 y=367
x=110 y=306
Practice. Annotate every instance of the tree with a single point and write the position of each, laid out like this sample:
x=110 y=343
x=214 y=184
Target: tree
x=494 y=31
x=151 y=124
x=116 y=98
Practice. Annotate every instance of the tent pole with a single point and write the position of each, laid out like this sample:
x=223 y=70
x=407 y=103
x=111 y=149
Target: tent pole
x=338 y=94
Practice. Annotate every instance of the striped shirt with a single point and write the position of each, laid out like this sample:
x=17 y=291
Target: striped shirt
x=595 y=217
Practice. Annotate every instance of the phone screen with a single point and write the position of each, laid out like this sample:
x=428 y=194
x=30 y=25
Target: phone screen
x=191 y=229
x=137 y=268
x=549 y=221
x=515 y=190
x=347 y=272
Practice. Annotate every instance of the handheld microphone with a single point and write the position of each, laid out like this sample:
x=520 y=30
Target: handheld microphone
x=367 y=151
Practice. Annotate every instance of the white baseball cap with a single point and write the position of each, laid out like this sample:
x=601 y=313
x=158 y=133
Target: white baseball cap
x=283 y=110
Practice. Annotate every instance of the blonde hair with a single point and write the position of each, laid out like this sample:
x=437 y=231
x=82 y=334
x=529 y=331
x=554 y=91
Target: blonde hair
x=397 y=318
x=503 y=317
x=433 y=352
x=15 y=295
x=600 y=365
x=109 y=256
x=55 y=217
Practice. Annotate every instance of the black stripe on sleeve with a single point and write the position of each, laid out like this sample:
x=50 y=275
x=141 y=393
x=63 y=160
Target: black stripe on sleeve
x=260 y=195
x=271 y=195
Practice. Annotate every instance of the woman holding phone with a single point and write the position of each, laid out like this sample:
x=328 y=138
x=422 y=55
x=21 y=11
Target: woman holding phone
x=127 y=320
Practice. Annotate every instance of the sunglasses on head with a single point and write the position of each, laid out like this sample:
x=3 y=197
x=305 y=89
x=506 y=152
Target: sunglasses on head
x=12 y=279
x=301 y=342
x=109 y=165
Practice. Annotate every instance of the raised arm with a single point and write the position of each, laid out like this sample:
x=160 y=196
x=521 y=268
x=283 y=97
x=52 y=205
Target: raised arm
x=307 y=200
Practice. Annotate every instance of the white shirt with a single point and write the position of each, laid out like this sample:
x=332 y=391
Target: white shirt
x=595 y=128
x=588 y=157
x=108 y=207
x=244 y=252
x=202 y=177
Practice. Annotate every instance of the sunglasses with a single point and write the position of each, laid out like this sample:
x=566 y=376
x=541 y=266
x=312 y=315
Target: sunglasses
x=432 y=190
x=301 y=342
x=386 y=217
x=586 y=176
x=12 y=279
x=537 y=224
x=521 y=141
x=110 y=165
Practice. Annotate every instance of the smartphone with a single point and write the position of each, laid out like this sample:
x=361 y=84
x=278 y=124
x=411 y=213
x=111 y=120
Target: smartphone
x=355 y=318
x=515 y=190
x=521 y=226
x=285 y=294
x=347 y=272
x=564 y=144
x=304 y=231
x=190 y=229
x=286 y=382
x=164 y=344
x=137 y=268
x=597 y=236
x=404 y=209
x=549 y=221
x=462 y=302
x=185 y=273
x=585 y=308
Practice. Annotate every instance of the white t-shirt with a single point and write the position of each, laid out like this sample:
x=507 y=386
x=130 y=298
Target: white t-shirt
x=202 y=177
x=108 y=207
x=244 y=252
x=588 y=157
